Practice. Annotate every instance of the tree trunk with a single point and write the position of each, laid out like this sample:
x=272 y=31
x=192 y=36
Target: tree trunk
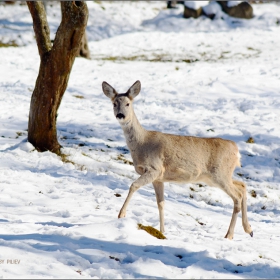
x=55 y=67
x=84 y=50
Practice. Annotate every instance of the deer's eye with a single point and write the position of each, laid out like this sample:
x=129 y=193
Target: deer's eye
x=115 y=105
x=127 y=104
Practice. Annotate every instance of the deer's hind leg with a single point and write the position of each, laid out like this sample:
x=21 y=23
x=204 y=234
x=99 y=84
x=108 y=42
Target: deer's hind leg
x=159 y=190
x=245 y=223
x=236 y=210
x=237 y=191
x=236 y=195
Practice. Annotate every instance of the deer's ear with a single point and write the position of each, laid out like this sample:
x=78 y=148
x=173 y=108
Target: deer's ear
x=109 y=91
x=134 y=90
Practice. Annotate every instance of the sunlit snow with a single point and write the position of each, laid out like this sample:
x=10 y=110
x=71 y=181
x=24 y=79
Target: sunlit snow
x=199 y=77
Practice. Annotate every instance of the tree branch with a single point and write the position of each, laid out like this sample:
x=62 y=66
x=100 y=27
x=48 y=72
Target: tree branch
x=40 y=26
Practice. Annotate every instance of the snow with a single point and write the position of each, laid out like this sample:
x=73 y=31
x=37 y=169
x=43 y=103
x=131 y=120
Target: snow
x=233 y=3
x=213 y=8
x=195 y=4
x=199 y=77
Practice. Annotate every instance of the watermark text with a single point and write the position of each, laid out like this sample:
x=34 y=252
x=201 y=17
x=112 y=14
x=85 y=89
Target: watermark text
x=9 y=261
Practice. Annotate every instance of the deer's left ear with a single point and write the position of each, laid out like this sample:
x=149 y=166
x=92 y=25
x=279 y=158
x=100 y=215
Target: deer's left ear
x=109 y=91
x=134 y=90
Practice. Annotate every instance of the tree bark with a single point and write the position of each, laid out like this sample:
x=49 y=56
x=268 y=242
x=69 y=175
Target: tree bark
x=84 y=50
x=55 y=67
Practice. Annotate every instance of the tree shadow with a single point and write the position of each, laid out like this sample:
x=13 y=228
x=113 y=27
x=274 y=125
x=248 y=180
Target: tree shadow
x=8 y=23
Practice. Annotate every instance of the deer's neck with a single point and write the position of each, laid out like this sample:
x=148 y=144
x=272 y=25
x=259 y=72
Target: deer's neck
x=134 y=133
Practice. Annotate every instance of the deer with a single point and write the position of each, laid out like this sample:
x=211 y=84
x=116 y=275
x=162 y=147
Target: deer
x=160 y=157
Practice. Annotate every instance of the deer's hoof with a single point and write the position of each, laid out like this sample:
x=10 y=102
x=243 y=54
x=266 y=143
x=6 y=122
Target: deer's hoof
x=121 y=215
x=229 y=236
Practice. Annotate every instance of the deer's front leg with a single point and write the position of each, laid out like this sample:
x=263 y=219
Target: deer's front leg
x=149 y=176
x=159 y=190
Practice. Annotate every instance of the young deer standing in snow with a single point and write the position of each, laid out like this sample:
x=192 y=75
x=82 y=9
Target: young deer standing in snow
x=160 y=157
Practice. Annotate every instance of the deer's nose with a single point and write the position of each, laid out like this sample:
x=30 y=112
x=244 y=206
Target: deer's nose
x=120 y=116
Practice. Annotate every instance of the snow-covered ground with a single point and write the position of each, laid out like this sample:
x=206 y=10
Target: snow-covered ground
x=199 y=77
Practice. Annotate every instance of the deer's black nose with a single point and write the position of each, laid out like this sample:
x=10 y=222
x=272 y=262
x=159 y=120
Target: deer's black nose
x=120 y=116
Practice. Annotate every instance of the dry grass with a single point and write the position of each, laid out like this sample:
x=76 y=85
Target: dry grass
x=250 y=140
x=8 y=44
x=114 y=258
x=253 y=193
x=79 y=96
x=167 y=57
x=152 y=231
x=202 y=224
x=65 y=158
x=20 y=134
x=122 y=158
x=152 y=58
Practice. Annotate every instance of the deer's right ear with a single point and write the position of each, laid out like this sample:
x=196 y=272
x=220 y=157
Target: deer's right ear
x=109 y=91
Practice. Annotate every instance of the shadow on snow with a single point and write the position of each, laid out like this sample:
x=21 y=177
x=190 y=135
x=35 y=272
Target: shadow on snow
x=129 y=254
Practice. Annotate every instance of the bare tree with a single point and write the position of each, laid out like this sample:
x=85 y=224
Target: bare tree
x=55 y=67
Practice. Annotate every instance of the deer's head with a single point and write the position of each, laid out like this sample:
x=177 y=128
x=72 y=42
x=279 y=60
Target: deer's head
x=122 y=102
